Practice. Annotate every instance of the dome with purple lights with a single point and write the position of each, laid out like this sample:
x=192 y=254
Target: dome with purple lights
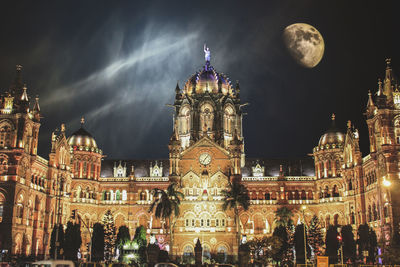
x=208 y=80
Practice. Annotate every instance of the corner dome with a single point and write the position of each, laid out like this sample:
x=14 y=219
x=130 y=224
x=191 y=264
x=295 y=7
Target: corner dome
x=83 y=140
x=332 y=136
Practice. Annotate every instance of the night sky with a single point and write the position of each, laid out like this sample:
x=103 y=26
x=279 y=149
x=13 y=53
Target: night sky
x=117 y=63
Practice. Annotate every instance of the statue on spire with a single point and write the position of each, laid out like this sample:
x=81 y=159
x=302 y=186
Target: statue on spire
x=207 y=53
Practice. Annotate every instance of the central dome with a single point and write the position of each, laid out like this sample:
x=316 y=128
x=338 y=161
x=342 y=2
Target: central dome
x=208 y=80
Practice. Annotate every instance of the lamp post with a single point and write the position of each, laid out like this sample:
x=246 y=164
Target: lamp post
x=339 y=229
x=303 y=208
x=58 y=214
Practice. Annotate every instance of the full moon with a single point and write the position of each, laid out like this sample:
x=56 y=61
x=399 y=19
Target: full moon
x=304 y=43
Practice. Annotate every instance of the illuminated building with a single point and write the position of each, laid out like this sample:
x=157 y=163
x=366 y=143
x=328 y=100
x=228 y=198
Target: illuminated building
x=206 y=149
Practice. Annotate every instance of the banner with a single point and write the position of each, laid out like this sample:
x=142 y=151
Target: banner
x=322 y=261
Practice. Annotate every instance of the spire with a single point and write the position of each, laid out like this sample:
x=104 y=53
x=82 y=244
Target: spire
x=24 y=96
x=349 y=124
x=380 y=92
x=177 y=89
x=387 y=83
x=370 y=101
x=82 y=121
x=237 y=88
x=36 y=107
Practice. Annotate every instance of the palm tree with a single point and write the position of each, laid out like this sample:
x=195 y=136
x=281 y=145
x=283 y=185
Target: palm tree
x=283 y=217
x=166 y=204
x=236 y=196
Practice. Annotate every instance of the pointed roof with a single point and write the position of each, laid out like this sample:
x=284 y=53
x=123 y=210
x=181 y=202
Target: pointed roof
x=36 y=107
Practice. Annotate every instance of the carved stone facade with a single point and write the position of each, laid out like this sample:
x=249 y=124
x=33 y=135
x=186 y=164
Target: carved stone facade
x=206 y=150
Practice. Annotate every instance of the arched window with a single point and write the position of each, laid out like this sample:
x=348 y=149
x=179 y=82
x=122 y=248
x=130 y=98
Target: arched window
x=124 y=195
x=267 y=196
x=352 y=218
x=117 y=195
x=374 y=212
x=369 y=213
x=206 y=117
x=142 y=195
x=336 y=219
x=188 y=254
x=20 y=207
x=335 y=191
x=5 y=134
x=229 y=120
x=184 y=120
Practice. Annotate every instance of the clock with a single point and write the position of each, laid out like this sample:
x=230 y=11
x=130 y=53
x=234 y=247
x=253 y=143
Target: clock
x=205 y=158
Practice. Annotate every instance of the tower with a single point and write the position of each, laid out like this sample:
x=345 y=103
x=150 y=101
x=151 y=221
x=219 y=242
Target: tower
x=206 y=152
x=383 y=120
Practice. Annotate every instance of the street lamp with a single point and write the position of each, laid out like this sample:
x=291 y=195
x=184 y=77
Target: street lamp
x=303 y=208
x=386 y=183
x=339 y=237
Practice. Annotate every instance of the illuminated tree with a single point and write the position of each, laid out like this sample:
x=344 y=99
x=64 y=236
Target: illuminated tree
x=166 y=206
x=237 y=196
x=315 y=236
x=141 y=241
x=109 y=235
x=123 y=236
x=283 y=217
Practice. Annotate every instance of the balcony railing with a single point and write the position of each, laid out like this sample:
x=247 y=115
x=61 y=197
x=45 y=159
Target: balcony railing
x=263 y=202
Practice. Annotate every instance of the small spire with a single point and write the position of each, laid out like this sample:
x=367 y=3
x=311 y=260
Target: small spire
x=370 y=101
x=177 y=89
x=349 y=124
x=388 y=61
x=380 y=92
x=82 y=121
x=237 y=87
x=333 y=117
x=36 y=107
x=24 y=96
x=62 y=127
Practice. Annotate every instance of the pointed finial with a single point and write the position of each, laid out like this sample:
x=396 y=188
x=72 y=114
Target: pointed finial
x=36 y=107
x=62 y=127
x=177 y=89
x=24 y=96
x=380 y=92
x=82 y=121
x=19 y=67
x=370 y=101
x=349 y=124
x=388 y=61
x=333 y=117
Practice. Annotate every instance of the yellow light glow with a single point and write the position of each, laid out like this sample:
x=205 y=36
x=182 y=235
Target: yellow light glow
x=386 y=183
x=303 y=207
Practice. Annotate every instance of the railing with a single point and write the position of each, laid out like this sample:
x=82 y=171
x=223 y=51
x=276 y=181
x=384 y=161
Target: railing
x=263 y=202
x=300 y=178
x=275 y=178
x=113 y=202
x=300 y=201
x=143 y=202
x=114 y=179
x=152 y=179
x=330 y=199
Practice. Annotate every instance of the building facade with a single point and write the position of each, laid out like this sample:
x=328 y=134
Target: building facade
x=206 y=151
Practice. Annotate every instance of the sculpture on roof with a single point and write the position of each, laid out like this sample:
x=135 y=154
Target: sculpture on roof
x=207 y=53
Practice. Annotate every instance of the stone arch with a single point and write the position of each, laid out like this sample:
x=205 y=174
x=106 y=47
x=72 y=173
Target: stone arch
x=119 y=220
x=259 y=223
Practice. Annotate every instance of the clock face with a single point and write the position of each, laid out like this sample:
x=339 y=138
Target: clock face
x=205 y=158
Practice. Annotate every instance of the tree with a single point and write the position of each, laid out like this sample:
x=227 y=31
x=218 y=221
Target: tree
x=391 y=254
x=372 y=246
x=98 y=242
x=140 y=239
x=60 y=248
x=264 y=248
x=109 y=235
x=73 y=241
x=281 y=233
x=123 y=236
x=235 y=197
x=332 y=244
x=315 y=236
x=299 y=244
x=166 y=205
x=363 y=239
x=349 y=244
x=283 y=217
